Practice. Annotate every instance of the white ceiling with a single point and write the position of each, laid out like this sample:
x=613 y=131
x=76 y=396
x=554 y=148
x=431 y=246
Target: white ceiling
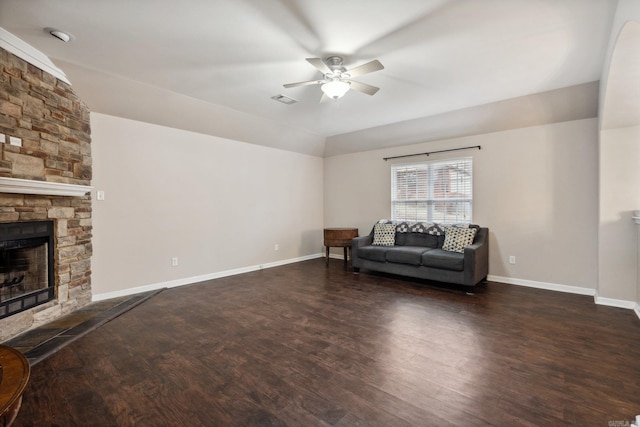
x=220 y=61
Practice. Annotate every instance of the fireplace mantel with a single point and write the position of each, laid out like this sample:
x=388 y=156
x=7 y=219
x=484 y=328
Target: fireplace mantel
x=29 y=186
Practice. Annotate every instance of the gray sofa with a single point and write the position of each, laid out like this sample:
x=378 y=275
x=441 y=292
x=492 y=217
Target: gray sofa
x=419 y=254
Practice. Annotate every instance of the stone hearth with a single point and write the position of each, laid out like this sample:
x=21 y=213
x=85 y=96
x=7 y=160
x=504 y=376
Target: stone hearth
x=47 y=138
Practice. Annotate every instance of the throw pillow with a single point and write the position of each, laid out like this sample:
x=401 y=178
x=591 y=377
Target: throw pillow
x=456 y=238
x=420 y=227
x=435 y=230
x=402 y=227
x=384 y=234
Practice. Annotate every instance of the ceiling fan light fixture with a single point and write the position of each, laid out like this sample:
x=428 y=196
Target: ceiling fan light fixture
x=336 y=79
x=335 y=89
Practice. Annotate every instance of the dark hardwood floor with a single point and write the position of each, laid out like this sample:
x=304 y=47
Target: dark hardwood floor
x=309 y=345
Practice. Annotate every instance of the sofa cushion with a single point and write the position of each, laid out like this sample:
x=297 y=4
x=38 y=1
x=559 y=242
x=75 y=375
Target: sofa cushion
x=417 y=239
x=456 y=238
x=384 y=234
x=373 y=253
x=406 y=254
x=439 y=258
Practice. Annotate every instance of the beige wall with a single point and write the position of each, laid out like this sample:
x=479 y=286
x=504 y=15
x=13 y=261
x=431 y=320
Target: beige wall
x=168 y=194
x=619 y=197
x=216 y=204
x=535 y=188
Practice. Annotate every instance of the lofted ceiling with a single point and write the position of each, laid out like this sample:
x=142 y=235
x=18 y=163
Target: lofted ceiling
x=212 y=66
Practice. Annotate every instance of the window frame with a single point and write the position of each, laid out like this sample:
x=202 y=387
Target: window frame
x=463 y=206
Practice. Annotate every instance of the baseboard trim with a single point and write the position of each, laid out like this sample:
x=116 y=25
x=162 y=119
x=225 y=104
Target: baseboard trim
x=615 y=302
x=569 y=289
x=201 y=278
x=543 y=285
x=620 y=303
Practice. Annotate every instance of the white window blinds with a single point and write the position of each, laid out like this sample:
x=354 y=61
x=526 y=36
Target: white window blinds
x=438 y=191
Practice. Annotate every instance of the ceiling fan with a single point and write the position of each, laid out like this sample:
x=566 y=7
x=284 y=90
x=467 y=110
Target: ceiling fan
x=337 y=79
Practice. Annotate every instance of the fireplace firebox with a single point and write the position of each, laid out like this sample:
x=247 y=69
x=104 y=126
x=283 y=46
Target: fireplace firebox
x=26 y=266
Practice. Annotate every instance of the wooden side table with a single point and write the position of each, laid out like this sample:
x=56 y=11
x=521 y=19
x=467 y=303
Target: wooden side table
x=339 y=238
x=14 y=376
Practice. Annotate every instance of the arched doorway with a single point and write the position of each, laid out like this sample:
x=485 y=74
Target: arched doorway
x=619 y=191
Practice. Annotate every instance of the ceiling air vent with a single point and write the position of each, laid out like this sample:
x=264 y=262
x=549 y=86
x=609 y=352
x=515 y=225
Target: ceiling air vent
x=284 y=99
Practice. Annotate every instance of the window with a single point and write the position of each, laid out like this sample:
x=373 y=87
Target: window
x=439 y=191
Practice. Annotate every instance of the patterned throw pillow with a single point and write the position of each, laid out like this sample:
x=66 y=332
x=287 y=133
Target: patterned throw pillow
x=384 y=234
x=456 y=238
x=419 y=227
x=435 y=230
x=402 y=227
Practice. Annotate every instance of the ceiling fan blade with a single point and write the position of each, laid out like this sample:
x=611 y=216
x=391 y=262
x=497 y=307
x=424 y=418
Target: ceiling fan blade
x=319 y=64
x=309 y=83
x=369 y=67
x=364 y=88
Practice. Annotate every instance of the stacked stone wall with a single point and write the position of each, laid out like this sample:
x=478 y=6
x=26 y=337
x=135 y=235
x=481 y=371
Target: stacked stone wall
x=52 y=124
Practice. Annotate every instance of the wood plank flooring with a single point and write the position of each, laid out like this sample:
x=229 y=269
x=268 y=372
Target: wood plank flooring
x=309 y=345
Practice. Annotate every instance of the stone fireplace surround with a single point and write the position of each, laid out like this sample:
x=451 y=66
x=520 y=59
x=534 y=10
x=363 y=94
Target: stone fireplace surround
x=52 y=125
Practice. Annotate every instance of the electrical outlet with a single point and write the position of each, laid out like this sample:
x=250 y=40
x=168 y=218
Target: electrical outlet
x=512 y=259
x=100 y=195
x=174 y=261
x=276 y=247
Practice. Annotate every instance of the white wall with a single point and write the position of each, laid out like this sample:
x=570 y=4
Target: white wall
x=216 y=204
x=535 y=188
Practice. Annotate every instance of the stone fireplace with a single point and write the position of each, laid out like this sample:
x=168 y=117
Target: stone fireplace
x=45 y=172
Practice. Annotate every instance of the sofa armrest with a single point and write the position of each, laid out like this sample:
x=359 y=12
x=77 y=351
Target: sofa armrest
x=356 y=244
x=476 y=259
